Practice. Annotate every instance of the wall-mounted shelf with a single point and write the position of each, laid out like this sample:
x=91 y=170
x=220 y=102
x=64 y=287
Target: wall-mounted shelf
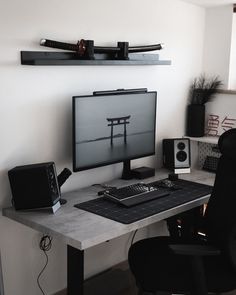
x=205 y=147
x=43 y=58
x=206 y=139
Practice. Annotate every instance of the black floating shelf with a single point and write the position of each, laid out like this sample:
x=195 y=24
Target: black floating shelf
x=43 y=58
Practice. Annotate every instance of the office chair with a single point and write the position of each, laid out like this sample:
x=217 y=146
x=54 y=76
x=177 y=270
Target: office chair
x=196 y=266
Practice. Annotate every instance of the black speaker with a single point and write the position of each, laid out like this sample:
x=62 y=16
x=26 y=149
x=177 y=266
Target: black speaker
x=176 y=154
x=34 y=186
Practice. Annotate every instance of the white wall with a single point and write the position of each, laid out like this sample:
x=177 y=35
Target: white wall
x=217 y=42
x=35 y=109
x=232 y=74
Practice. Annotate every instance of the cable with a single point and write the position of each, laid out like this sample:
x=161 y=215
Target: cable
x=133 y=237
x=45 y=245
x=105 y=186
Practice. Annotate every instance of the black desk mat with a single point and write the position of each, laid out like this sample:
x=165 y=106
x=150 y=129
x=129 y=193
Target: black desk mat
x=189 y=191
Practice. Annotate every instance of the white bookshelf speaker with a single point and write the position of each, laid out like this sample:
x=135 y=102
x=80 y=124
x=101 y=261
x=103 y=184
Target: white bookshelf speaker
x=176 y=154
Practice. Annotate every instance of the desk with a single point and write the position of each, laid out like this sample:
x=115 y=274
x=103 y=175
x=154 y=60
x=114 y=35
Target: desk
x=81 y=230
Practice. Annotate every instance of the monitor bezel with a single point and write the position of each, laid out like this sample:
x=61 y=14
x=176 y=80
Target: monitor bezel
x=75 y=168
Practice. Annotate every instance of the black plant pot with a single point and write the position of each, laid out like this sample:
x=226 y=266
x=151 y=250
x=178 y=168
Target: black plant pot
x=195 y=120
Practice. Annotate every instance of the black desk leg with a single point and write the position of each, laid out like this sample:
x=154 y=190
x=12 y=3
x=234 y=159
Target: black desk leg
x=75 y=271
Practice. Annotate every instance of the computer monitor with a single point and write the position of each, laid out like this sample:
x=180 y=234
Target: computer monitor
x=112 y=127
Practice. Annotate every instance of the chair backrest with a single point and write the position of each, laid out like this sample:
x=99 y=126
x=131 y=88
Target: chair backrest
x=220 y=216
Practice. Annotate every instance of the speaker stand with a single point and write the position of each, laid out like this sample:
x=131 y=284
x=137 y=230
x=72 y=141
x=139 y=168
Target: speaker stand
x=182 y=170
x=51 y=209
x=55 y=207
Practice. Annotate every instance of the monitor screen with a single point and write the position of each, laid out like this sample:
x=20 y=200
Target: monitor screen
x=111 y=128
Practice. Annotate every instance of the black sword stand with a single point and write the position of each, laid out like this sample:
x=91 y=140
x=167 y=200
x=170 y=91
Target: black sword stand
x=123 y=53
x=120 y=53
x=89 y=52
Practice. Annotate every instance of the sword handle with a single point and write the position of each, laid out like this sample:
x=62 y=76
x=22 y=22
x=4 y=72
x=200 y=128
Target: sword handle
x=58 y=45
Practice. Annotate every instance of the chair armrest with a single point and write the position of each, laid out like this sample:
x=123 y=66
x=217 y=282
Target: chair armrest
x=194 y=250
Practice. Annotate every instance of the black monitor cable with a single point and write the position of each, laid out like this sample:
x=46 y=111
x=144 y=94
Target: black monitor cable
x=45 y=245
x=105 y=186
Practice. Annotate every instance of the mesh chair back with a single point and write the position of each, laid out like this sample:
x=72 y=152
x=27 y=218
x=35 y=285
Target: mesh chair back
x=220 y=217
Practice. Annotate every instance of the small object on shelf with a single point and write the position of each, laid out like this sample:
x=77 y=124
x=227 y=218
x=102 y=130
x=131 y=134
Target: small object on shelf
x=210 y=164
x=201 y=91
x=85 y=49
x=195 y=120
x=215 y=149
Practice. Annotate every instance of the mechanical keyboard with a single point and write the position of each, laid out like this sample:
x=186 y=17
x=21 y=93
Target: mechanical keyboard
x=135 y=194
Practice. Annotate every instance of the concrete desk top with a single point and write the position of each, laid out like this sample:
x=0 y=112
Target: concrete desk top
x=82 y=229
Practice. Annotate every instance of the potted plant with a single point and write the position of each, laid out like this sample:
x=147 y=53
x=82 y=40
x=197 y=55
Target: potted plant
x=201 y=91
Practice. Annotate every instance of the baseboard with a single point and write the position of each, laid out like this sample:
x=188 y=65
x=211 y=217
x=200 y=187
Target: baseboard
x=62 y=292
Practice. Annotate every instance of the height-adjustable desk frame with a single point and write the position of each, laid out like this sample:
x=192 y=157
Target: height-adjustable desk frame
x=81 y=230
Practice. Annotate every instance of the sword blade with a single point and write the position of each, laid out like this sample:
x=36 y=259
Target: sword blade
x=101 y=49
x=146 y=48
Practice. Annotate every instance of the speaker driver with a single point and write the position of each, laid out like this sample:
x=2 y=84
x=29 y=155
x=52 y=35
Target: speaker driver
x=181 y=156
x=181 y=146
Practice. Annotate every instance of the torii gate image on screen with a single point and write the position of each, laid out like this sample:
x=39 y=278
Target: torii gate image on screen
x=118 y=121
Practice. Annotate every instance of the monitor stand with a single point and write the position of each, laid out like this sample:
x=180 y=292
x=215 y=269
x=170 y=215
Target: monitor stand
x=127 y=172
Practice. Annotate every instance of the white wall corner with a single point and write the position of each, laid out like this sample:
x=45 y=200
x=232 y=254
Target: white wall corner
x=218 y=34
x=232 y=68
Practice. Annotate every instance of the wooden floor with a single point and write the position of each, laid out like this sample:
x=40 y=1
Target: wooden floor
x=115 y=281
